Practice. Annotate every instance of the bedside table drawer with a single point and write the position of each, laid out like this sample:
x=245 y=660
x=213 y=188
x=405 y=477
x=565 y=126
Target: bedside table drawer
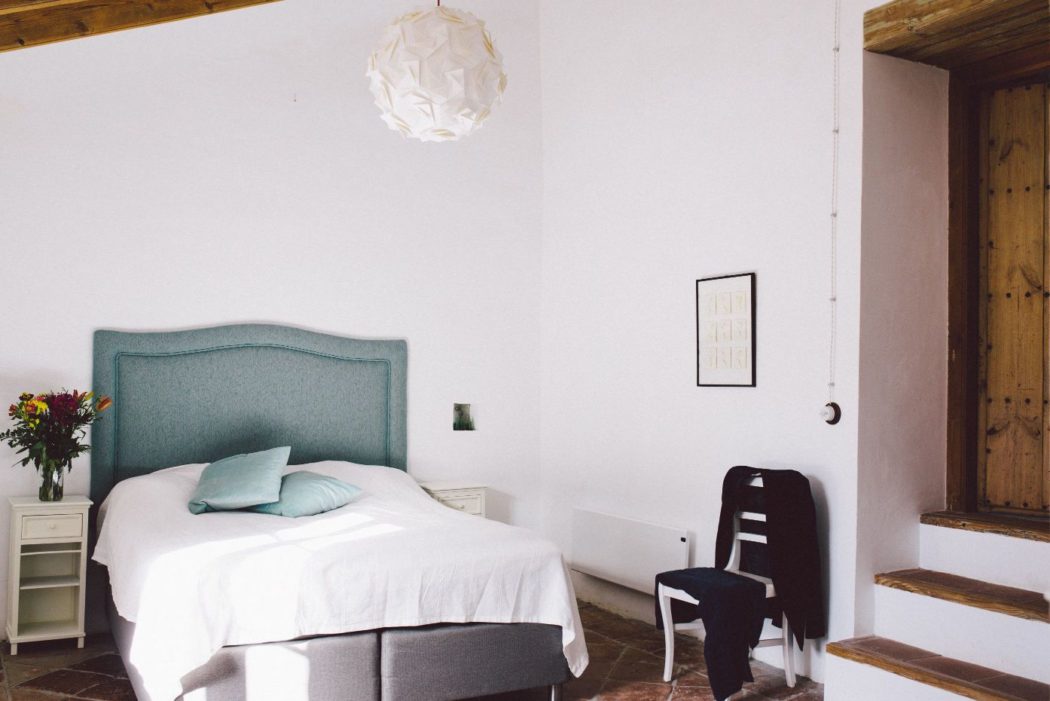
x=467 y=504
x=65 y=526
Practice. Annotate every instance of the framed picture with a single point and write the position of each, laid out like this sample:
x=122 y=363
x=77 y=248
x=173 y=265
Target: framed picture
x=725 y=331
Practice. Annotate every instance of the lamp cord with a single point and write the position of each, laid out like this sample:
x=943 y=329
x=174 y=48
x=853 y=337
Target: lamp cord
x=833 y=298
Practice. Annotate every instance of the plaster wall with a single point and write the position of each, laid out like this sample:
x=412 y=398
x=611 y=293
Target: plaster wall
x=687 y=140
x=232 y=168
x=903 y=316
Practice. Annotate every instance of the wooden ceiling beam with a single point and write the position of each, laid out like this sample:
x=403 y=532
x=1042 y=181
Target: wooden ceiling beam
x=899 y=23
x=996 y=30
x=954 y=33
x=25 y=23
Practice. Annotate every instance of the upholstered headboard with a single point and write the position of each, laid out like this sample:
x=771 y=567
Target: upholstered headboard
x=196 y=396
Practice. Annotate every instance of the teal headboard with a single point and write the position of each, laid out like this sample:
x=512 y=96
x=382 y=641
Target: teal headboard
x=196 y=396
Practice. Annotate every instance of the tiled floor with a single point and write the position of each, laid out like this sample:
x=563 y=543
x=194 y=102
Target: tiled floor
x=626 y=665
x=58 y=670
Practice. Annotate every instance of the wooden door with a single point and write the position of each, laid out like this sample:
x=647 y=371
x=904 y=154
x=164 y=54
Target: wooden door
x=1014 y=315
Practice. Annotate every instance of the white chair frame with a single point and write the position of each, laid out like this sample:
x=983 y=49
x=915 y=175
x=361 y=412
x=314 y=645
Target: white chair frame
x=665 y=594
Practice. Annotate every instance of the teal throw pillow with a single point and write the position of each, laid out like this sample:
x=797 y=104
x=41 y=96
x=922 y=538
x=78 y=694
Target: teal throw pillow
x=240 y=481
x=308 y=493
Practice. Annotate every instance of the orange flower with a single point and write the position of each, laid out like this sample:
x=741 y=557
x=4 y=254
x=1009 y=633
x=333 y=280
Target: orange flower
x=104 y=404
x=12 y=410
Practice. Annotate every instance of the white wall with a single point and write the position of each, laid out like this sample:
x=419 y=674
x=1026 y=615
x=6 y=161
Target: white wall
x=904 y=316
x=684 y=140
x=232 y=168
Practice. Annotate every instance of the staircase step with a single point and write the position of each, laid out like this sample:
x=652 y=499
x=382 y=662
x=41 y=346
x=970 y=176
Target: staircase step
x=972 y=592
x=948 y=544
x=955 y=676
x=1012 y=526
x=962 y=619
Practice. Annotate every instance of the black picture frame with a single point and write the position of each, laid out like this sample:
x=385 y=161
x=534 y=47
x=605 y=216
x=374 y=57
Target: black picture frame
x=708 y=370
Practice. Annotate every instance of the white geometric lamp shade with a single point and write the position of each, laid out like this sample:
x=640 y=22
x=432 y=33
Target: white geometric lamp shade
x=436 y=75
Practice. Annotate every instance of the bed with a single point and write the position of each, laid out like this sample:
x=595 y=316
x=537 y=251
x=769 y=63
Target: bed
x=353 y=629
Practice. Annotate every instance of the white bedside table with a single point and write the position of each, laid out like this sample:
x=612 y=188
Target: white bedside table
x=45 y=586
x=468 y=497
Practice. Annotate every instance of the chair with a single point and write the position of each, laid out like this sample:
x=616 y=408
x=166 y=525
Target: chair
x=665 y=594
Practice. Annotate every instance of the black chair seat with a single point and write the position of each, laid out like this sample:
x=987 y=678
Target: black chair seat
x=707 y=581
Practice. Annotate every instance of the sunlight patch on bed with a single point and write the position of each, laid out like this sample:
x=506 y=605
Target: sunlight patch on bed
x=323 y=527
x=360 y=534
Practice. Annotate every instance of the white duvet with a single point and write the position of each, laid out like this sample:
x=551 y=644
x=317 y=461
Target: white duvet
x=394 y=557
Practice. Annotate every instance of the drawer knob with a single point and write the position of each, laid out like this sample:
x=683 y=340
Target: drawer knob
x=52 y=525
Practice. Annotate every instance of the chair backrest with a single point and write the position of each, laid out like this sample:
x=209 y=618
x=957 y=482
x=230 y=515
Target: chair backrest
x=749 y=531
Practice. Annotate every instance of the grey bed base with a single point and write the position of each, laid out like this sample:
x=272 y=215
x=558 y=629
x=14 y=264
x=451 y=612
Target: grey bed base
x=431 y=663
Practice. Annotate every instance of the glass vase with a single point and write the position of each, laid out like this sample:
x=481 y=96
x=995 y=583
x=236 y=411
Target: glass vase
x=51 y=488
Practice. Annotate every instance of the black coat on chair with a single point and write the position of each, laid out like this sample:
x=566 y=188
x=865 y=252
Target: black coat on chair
x=794 y=554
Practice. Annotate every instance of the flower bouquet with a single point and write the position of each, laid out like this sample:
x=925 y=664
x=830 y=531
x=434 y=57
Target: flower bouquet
x=50 y=430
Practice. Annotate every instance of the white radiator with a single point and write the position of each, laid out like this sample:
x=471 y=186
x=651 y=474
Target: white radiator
x=628 y=552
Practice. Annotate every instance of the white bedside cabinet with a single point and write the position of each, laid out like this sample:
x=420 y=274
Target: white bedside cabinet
x=45 y=586
x=468 y=497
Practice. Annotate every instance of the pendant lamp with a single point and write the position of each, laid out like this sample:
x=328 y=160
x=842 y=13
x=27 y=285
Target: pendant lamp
x=436 y=74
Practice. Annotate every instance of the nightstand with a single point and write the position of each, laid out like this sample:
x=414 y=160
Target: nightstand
x=468 y=497
x=45 y=586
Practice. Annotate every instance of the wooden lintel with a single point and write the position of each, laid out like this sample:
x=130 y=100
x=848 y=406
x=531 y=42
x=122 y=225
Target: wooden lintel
x=25 y=23
x=956 y=33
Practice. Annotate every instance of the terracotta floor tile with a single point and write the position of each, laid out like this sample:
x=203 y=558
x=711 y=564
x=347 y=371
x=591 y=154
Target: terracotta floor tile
x=634 y=691
x=768 y=680
x=582 y=689
x=19 y=694
x=57 y=654
x=109 y=664
x=598 y=672
x=812 y=695
x=692 y=677
x=112 y=689
x=17 y=673
x=64 y=681
x=692 y=693
x=638 y=666
x=804 y=689
x=542 y=694
x=603 y=649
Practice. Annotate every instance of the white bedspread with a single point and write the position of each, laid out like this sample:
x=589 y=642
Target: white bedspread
x=395 y=557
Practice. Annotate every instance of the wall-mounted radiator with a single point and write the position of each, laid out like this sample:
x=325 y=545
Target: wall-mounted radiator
x=628 y=552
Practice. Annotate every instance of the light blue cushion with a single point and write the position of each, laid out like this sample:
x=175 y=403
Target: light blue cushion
x=240 y=481
x=308 y=493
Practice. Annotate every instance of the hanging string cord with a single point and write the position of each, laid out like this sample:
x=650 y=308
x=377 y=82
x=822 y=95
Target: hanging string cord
x=833 y=298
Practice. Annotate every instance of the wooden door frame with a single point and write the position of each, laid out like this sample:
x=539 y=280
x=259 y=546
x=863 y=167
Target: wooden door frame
x=964 y=93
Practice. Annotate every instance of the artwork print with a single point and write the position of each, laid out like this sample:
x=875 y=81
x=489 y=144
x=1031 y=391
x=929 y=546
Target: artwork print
x=725 y=331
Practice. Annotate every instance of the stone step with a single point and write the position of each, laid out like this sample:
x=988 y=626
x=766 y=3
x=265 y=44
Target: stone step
x=985 y=624
x=1012 y=601
x=1011 y=526
x=1003 y=550
x=921 y=668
